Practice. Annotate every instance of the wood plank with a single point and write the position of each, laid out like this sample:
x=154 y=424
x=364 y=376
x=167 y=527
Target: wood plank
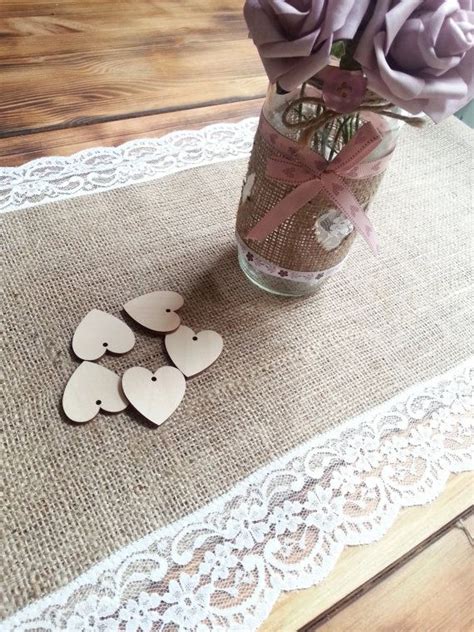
x=360 y=564
x=79 y=62
x=17 y=150
x=434 y=591
x=32 y=26
x=31 y=20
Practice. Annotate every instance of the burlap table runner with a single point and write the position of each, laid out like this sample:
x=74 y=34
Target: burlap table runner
x=290 y=369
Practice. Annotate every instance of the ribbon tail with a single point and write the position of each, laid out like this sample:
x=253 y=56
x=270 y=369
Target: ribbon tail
x=292 y=203
x=359 y=147
x=339 y=193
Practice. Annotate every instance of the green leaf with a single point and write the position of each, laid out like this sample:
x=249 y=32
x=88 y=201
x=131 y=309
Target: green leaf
x=349 y=63
x=338 y=49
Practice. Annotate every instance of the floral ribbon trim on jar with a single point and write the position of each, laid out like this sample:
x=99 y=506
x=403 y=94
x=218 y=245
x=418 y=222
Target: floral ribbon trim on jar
x=264 y=265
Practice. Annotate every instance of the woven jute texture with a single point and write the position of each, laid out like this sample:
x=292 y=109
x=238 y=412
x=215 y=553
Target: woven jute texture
x=293 y=245
x=290 y=368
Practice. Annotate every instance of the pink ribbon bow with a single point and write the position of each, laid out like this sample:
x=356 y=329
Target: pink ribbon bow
x=311 y=174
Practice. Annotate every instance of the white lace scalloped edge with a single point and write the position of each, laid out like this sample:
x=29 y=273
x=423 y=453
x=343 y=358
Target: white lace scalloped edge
x=282 y=528
x=105 y=168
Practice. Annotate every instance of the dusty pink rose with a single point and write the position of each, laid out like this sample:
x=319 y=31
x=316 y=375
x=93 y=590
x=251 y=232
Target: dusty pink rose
x=420 y=55
x=294 y=37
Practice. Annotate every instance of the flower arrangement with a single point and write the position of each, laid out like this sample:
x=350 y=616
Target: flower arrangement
x=344 y=75
x=418 y=54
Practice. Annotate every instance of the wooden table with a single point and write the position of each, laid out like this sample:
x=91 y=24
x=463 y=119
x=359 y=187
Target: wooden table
x=84 y=73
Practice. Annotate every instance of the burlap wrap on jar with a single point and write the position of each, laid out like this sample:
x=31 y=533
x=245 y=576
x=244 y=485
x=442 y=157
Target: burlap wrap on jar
x=294 y=245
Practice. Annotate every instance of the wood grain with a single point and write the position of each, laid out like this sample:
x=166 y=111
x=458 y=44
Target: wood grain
x=17 y=150
x=76 y=62
x=434 y=591
x=360 y=564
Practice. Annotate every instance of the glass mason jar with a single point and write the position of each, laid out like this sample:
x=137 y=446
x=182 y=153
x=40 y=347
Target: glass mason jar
x=308 y=247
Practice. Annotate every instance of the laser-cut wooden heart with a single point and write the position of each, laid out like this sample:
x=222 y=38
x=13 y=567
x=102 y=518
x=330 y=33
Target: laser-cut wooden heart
x=90 y=388
x=99 y=332
x=155 y=395
x=191 y=352
x=156 y=311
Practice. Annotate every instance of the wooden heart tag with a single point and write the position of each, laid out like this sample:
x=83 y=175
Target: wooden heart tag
x=99 y=332
x=192 y=353
x=155 y=311
x=155 y=395
x=90 y=388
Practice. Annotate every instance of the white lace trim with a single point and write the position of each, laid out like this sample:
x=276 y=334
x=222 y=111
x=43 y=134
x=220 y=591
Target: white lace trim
x=104 y=168
x=282 y=528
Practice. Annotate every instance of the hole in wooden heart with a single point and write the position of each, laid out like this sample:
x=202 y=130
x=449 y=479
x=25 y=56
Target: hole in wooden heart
x=195 y=337
x=168 y=310
x=99 y=402
x=153 y=379
x=105 y=344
